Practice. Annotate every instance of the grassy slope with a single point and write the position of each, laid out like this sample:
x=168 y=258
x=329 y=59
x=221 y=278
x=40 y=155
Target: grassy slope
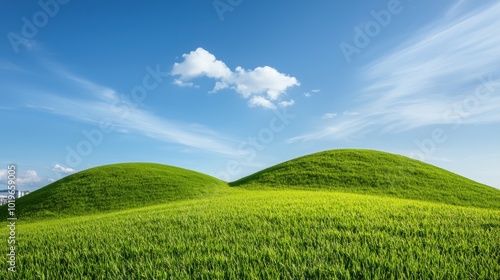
x=123 y=186
x=267 y=234
x=198 y=227
x=116 y=187
x=373 y=172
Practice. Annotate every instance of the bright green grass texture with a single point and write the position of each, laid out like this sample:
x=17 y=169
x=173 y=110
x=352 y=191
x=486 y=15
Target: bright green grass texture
x=298 y=220
x=374 y=172
x=266 y=234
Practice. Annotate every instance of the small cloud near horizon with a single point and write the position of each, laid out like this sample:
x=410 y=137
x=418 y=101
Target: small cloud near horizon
x=24 y=178
x=63 y=170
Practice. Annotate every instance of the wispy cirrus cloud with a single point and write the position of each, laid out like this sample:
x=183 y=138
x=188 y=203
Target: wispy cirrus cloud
x=4 y=65
x=262 y=86
x=93 y=103
x=446 y=71
x=329 y=115
x=144 y=123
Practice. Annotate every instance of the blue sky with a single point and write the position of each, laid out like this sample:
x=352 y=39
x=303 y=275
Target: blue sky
x=230 y=87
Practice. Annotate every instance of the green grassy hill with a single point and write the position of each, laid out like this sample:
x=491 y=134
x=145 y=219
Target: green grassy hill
x=297 y=220
x=374 y=172
x=131 y=185
x=116 y=187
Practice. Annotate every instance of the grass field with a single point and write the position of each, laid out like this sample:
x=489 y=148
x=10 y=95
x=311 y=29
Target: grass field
x=268 y=231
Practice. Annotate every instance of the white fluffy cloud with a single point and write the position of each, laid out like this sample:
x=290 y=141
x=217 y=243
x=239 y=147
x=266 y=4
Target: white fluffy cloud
x=261 y=80
x=287 y=103
x=61 y=169
x=263 y=86
x=261 y=101
x=200 y=63
x=28 y=177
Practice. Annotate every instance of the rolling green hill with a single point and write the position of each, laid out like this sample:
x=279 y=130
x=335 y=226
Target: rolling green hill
x=132 y=185
x=117 y=187
x=342 y=214
x=374 y=172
